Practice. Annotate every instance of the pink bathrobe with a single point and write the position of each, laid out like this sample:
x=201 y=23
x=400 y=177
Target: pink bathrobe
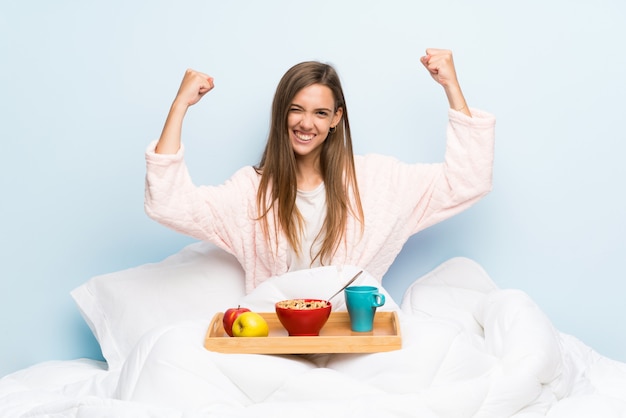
x=398 y=200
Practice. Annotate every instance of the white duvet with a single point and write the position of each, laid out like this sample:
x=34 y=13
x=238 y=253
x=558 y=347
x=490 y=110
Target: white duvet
x=469 y=350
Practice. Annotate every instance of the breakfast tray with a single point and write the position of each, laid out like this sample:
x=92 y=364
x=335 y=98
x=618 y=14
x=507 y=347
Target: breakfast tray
x=335 y=337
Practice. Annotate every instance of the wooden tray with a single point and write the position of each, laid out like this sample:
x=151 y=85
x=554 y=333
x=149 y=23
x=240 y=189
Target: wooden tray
x=335 y=337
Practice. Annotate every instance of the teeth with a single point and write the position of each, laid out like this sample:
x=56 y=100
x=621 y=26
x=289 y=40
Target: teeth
x=304 y=137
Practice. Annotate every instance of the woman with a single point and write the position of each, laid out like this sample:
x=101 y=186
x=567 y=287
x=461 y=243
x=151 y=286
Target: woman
x=310 y=202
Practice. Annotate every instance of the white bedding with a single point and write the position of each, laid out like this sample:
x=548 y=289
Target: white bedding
x=469 y=350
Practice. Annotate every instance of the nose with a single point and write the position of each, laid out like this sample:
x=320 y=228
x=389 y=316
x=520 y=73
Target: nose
x=306 y=122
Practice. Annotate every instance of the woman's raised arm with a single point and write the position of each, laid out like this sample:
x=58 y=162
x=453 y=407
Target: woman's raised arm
x=440 y=64
x=193 y=87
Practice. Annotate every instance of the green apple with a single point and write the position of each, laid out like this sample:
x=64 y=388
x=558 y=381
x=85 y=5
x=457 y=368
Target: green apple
x=250 y=324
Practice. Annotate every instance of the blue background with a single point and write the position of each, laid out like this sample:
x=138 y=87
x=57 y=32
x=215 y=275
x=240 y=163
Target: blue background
x=84 y=87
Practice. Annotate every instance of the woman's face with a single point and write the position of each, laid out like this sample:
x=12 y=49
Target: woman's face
x=310 y=117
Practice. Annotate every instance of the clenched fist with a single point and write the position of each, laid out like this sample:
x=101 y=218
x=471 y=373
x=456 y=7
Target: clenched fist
x=193 y=87
x=440 y=65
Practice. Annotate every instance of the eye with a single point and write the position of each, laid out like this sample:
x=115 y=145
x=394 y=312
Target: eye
x=294 y=109
x=322 y=113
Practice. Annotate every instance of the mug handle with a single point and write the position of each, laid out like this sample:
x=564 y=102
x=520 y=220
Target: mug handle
x=379 y=300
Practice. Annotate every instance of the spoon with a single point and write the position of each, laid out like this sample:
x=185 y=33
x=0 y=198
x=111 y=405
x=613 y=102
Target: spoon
x=346 y=285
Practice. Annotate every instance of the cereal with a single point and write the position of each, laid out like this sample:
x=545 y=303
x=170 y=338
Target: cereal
x=302 y=304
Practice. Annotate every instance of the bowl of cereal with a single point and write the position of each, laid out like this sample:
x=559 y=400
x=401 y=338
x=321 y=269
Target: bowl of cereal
x=303 y=317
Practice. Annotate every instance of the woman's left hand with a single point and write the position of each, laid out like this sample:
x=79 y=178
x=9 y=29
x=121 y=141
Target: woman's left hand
x=440 y=65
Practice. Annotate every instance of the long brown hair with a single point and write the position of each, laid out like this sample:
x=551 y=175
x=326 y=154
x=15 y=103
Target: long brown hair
x=278 y=186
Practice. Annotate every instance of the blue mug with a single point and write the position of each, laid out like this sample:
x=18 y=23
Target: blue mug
x=362 y=302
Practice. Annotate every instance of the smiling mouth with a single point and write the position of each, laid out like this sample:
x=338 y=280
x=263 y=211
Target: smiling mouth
x=303 y=137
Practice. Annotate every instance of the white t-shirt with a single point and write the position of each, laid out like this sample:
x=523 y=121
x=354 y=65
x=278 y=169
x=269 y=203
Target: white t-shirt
x=312 y=207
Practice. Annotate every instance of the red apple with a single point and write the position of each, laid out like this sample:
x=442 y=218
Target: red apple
x=229 y=318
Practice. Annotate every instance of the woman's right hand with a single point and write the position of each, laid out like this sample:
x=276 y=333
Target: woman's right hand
x=193 y=87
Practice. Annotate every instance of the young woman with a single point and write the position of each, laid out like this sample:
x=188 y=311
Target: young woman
x=310 y=201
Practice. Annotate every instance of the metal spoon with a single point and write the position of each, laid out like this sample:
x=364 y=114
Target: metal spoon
x=346 y=285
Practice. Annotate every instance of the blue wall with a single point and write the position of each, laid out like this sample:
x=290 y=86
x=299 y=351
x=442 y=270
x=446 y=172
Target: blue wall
x=84 y=87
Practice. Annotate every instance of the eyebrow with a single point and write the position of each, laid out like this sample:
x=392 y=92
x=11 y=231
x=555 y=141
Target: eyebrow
x=317 y=110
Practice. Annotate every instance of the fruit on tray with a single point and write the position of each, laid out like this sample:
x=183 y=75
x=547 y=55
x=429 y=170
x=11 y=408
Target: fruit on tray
x=250 y=324
x=229 y=318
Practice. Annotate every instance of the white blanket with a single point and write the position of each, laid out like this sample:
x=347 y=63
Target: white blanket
x=469 y=350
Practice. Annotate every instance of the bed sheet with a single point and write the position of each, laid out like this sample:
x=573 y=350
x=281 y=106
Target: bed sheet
x=470 y=350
